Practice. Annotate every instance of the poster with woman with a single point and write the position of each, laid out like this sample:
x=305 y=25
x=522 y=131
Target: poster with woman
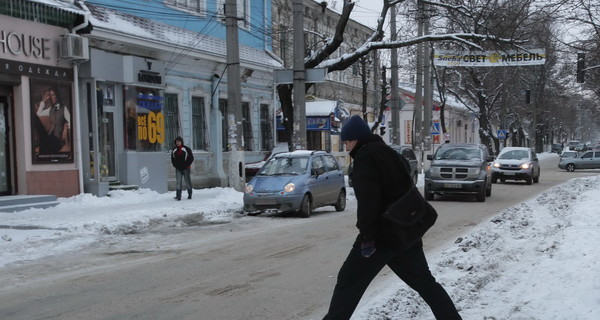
x=51 y=122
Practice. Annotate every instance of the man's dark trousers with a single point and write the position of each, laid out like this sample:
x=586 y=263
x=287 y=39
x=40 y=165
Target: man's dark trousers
x=410 y=265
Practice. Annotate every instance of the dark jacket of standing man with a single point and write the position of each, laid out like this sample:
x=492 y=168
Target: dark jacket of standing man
x=379 y=178
x=182 y=158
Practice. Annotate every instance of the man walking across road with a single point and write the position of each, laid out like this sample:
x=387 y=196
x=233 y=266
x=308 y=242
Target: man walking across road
x=182 y=159
x=379 y=178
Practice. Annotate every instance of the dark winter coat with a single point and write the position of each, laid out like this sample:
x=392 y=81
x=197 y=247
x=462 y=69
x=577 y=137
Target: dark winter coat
x=379 y=177
x=182 y=158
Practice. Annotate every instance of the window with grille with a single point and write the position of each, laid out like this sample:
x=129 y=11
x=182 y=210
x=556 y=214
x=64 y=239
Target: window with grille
x=266 y=131
x=247 y=127
x=224 y=127
x=196 y=6
x=171 y=119
x=199 y=124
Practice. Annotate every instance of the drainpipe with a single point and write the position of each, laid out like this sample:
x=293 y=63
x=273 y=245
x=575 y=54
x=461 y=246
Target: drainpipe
x=76 y=96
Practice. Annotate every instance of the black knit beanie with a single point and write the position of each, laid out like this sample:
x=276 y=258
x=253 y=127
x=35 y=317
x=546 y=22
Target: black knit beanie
x=355 y=128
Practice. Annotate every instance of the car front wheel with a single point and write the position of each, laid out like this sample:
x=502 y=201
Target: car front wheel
x=340 y=205
x=480 y=197
x=305 y=207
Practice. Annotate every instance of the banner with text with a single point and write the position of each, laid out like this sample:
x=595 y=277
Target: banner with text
x=447 y=58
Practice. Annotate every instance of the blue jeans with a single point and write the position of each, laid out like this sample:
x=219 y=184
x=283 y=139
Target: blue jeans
x=410 y=265
x=178 y=181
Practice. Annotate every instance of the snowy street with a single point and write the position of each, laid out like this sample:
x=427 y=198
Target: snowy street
x=141 y=254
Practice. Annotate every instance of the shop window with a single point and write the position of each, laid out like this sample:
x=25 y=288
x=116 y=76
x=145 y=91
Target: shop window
x=247 y=127
x=266 y=131
x=199 y=124
x=313 y=140
x=144 y=118
x=195 y=6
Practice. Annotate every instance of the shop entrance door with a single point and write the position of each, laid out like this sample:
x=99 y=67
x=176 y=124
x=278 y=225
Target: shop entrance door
x=5 y=172
x=107 y=144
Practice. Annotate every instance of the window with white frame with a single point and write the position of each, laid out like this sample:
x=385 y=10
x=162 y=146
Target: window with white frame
x=199 y=124
x=196 y=6
x=243 y=9
x=247 y=127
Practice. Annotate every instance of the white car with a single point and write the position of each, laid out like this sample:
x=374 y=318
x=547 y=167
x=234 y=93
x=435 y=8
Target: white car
x=516 y=163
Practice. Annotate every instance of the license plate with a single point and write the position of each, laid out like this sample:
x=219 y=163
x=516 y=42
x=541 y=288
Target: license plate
x=509 y=173
x=452 y=185
x=265 y=202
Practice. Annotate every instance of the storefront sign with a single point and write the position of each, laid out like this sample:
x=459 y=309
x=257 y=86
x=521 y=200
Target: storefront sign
x=312 y=124
x=17 y=44
x=35 y=70
x=489 y=58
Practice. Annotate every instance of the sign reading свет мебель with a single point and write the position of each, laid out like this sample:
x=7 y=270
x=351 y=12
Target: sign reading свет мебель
x=509 y=58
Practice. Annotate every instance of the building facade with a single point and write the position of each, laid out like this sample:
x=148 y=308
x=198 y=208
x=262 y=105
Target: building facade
x=157 y=71
x=39 y=136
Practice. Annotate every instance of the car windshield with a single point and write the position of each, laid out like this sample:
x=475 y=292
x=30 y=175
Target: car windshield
x=283 y=166
x=458 y=154
x=515 y=155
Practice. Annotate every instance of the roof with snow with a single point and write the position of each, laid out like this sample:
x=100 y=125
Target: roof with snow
x=66 y=5
x=154 y=31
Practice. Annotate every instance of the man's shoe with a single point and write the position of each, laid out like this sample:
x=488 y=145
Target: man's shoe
x=177 y=198
x=189 y=196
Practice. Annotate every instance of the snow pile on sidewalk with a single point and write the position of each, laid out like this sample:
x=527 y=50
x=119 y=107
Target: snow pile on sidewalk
x=537 y=260
x=79 y=220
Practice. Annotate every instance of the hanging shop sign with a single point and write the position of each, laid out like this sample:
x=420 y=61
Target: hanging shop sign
x=510 y=58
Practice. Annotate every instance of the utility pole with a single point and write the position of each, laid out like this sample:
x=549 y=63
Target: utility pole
x=428 y=90
x=299 y=133
x=418 y=107
x=395 y=105
x=235 y=132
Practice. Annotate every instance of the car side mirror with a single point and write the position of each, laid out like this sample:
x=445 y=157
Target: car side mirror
x=429 y=157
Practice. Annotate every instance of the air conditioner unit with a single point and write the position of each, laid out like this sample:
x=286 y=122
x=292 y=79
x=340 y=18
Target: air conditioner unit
x=74 y=47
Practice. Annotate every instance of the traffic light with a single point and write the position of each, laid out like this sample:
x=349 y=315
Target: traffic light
x=381 y=131
x=580 y=67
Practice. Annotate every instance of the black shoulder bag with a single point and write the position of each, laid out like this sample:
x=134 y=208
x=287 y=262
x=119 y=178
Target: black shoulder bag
x=411 y=216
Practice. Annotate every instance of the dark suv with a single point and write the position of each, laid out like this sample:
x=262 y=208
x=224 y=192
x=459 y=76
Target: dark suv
x=459 y=168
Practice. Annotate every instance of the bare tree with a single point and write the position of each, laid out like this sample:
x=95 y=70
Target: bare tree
x=321 y=56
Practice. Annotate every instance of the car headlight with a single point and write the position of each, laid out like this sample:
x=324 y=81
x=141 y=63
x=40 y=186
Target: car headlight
x=249 y=188
x=474 y=171
x=289 y=187
x=497 y=165
x=525 y=165
x=434 y=170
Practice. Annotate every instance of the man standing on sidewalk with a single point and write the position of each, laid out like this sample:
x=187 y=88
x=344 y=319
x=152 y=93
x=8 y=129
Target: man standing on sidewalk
x=379 y=178
x=182 y=159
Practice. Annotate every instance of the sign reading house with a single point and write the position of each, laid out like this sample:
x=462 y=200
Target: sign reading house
x=531 y=57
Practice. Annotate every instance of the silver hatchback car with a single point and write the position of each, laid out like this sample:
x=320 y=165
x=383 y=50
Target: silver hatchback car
x=516 y=163
x=297 y=181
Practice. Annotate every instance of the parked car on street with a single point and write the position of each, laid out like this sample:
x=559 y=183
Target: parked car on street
x=587 y=160
x=568 y=154
x=409 y=154
x=459 y=168
x=556 y=148
x=573 y=144
x=298 y=181
x=516 y=163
